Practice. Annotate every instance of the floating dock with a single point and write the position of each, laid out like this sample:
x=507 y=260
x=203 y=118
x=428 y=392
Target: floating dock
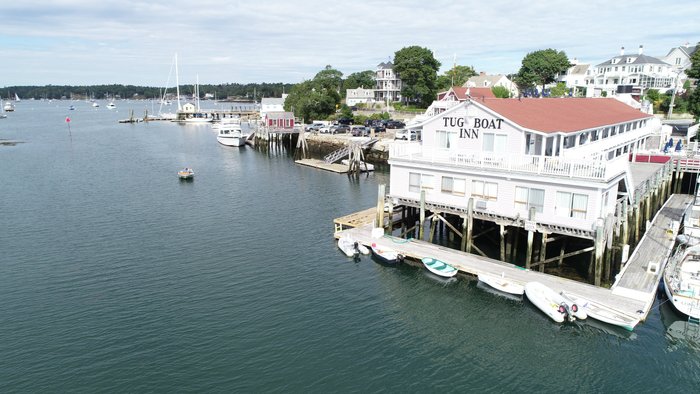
x=632 y=294
x=333 y=167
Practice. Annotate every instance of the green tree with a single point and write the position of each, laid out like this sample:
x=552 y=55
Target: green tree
x=541 y=67
x=694 y=103
x=559 y=91
x=329 y=78
x=500 y=92
x=362 y=79
x=456 y=76
x=694 y=70
x=417 y=68
x=309 y=101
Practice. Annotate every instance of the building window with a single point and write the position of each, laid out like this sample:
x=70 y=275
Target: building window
x=678 y=61
x=571 y=205
x=495 y=143
x=418 y=182
x=526 y=198
x=456 y=186
x=485 y=190
x=445 y=139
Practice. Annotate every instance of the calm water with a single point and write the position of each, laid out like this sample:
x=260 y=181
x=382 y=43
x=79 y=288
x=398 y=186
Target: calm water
x=115 y=276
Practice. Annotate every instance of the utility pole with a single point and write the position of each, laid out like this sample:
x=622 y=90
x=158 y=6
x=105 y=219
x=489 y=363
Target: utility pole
x=673 y=96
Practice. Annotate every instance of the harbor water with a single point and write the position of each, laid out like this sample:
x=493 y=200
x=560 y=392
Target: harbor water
x=117 y=276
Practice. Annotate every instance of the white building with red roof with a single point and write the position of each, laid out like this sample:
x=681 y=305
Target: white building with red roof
x=568 y=159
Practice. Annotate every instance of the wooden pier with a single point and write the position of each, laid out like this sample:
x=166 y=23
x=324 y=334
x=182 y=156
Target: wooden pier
x=632 y=294
x=640 y=276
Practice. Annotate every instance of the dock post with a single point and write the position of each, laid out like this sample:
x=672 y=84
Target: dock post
x=502 y=233
x=530 y=238
x=380 y=205
x=599 y=249
x=543 y=251
x=515 y=243
x=647 y=206
x=422 y=215
x=433 y=223
x=561 y=253
x=470 y=224
x=636 y=222
x=390 y=225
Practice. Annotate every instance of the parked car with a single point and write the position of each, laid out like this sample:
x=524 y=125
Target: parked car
x=340 y=129
x=345 y=121
x=407 y=135
x=395 y=124
x=315 y=127
x=324 y=129
x=375 y=124
x=359 y=131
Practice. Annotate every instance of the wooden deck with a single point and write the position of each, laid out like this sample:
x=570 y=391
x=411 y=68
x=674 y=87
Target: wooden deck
x=334 y=167
x=639 y=278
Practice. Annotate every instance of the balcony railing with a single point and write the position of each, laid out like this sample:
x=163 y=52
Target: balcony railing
x=589 y=169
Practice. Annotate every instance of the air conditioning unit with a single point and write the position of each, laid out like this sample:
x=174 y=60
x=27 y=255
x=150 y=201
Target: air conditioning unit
x=480 y=204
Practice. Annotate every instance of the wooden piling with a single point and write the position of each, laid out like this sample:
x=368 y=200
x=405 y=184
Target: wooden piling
x=422 y=215
x=530 y=238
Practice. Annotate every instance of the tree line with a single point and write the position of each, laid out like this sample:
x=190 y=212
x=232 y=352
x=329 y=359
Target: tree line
x=250 y=91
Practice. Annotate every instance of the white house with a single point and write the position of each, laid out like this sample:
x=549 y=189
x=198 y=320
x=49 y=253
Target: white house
x=388 y=83
x=630 y=74
x=489 y=81
x=575 y=76
x=679 y=58
x=359 y=96
x=271 y=104
x=567 y=158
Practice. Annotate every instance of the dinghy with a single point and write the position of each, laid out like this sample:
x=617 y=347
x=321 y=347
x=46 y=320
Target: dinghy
x=577 y=307
x=439 y=267
x=609 y=315
x=386 y=255
x=501 y=283
x=548 y=301
x=186 y=174
x=350 y=247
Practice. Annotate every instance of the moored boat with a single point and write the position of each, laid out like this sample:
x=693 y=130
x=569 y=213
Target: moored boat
x=230 y=134
x=351 y=247
x=682 y=281
x=608 y=315
x=548 y=301
x=577 y=307
x=501 y=283
x=438 y=267
x=386 y=255
x=186 y=173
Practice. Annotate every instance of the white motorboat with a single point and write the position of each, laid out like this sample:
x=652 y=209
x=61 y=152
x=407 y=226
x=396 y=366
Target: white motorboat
x=606 y=314
x=8 y=106
x=438 y=267
x=548 y=301
x=682 y=281
x=351 y=247
x=230 y=134
x=501 y=283
x=364 y=166
x=111 y=105
x=186 y=174
x=386 y=255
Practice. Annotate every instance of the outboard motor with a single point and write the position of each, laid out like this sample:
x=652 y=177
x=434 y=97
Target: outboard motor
x=356 y=247
x=564 y=310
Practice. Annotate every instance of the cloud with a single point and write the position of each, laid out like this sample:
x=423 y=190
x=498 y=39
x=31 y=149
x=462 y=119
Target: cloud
x=133 y=42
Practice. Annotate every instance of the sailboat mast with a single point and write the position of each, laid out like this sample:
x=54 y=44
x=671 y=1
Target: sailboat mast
x=196 y=92
x=177 y=83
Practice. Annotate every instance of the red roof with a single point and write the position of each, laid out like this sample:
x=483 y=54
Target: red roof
x=460 y=93
x=551 y=115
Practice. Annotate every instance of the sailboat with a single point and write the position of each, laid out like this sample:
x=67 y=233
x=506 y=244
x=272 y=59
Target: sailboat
x=8 y=106
x=17 y=97
x=197 y=116
x=163 y=101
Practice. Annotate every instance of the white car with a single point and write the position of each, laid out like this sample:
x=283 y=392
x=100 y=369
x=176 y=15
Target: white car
x=408 y=135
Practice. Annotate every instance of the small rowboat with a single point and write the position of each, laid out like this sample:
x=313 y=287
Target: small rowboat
x=186 y=173
x=386 y=255
x=438 y=267
x=501 y=283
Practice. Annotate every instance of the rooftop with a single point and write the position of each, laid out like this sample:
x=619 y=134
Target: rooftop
x=550 y=115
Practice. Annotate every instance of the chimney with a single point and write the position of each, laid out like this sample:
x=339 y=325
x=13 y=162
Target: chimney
x=622 y=51
x=641 y=49
x=481 y=73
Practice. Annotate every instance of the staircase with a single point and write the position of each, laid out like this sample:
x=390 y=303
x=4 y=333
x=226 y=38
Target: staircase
x=344 y=151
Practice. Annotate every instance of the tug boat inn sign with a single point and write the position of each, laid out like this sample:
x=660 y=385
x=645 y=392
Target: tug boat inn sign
x=453 y=122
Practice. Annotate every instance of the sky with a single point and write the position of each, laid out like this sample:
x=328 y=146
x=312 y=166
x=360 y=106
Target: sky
x=90 y=42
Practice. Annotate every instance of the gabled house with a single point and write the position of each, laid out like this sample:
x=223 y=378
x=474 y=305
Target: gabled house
x=388 y=83
x=489 y=81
